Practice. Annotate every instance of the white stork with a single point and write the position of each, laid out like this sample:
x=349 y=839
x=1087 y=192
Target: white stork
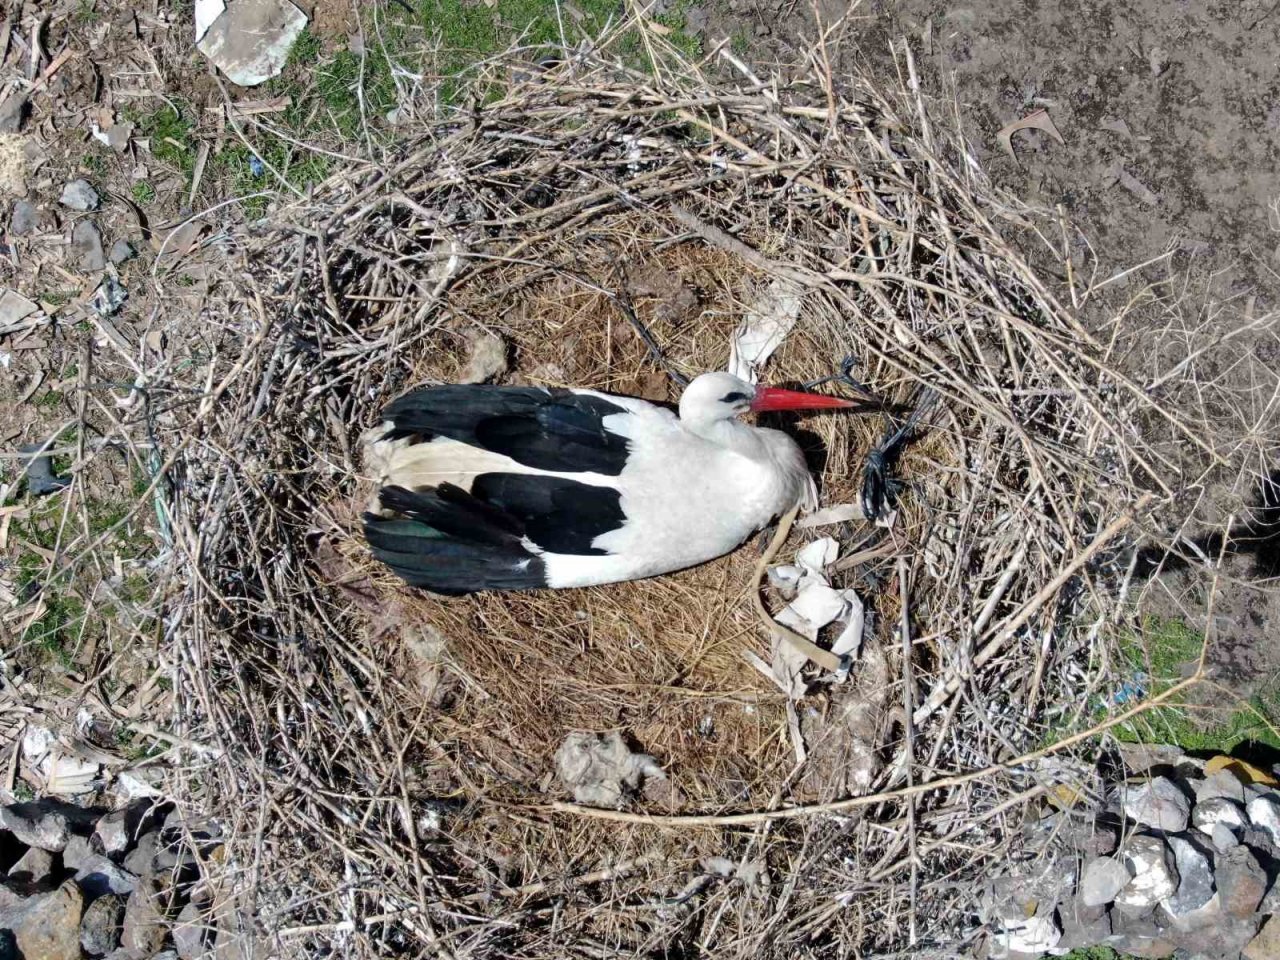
x=516 y=488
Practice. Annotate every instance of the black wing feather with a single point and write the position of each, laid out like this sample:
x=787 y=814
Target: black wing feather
x=453 y=543
x=555 y=430
x=559 y=515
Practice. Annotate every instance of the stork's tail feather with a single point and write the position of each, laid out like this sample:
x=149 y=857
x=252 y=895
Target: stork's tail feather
x=452 y=543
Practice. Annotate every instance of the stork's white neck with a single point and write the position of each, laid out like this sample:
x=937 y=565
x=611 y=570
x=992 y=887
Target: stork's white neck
x=725 y=431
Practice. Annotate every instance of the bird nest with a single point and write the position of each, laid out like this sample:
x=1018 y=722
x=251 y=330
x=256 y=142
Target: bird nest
x=385 y=760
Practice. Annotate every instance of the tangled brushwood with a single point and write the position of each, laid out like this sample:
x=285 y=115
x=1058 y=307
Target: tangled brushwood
x=384 y=763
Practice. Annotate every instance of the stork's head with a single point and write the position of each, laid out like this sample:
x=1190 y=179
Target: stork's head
x=722 y=396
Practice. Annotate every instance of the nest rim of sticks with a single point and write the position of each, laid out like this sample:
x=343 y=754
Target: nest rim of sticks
x=382 y=770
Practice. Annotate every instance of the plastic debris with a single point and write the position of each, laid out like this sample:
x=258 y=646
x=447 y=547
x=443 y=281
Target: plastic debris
x=109 y=297
x=764 y=329
x=814 y=604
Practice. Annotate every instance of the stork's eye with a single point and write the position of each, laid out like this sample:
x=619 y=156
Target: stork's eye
x=735 y=397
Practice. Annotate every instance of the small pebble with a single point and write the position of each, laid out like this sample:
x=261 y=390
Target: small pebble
x=121 y=251
x=24 y=219
x=86 y=247
x=79 y=195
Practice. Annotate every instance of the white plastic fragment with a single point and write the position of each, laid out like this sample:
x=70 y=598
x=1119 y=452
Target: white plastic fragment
x=63 y=773
x=1035 y=935
x=766 y=326
x=206 y=12
x=817 y=556
x=814 y=605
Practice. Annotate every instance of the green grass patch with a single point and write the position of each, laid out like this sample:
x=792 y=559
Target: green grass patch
x=66 y=621
x=1157 y=657
x=143 y=193
x=49 y=400
x=95 y=164
x=1096 y=953
x=170 y=130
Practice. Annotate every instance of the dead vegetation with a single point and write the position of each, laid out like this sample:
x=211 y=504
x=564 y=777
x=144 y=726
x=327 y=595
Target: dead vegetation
x=383 y=761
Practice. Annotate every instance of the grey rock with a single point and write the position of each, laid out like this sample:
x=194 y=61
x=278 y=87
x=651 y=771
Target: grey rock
x=47 y=926
x=143 y=928
x=122 y=251
x=1158 y=803
x=112 y=832
x=1134 y=926
x=191 y=934
x=1082 y=925
x=1223 y=941
x=78 y=852
x=1208 y=813
x=1223 y=785
x=1195 y=879
x=1102 y=881
x=24 y=219
x=86 y=247
x=1266 y=945
x=1156 y=948
x=99 y=876
x=33 y=866
x=100 y=926
x=124 y=953
x=165 y=955
x=37 y=825
x=13 y=893
x=1242 y=883
x=139 y=860
x=80 y=195
x=1209 y=915
x=1153 y=875
x=1264 y=813
x=1223 y=837
x=1261 y=842
x=13 y=111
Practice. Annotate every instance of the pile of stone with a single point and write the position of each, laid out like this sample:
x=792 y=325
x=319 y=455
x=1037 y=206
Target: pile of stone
x=1179 y=862
x=125 y=884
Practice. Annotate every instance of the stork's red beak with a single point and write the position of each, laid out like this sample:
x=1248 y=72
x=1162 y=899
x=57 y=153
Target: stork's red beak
x=773 y=398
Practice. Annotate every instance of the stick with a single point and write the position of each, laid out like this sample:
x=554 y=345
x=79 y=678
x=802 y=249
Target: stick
x=908 y=727
x=941 y=694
